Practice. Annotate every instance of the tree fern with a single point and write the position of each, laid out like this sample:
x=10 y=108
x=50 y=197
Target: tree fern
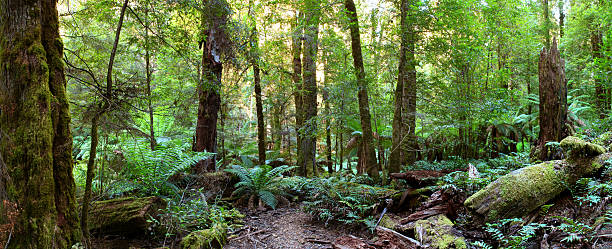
x=261 y=182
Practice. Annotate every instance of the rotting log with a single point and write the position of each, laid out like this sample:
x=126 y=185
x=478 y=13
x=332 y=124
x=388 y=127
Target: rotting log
x=124 y=216
x=523 y=190
x=422 y=178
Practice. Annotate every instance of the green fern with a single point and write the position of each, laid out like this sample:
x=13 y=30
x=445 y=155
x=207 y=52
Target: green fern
x=261 y=182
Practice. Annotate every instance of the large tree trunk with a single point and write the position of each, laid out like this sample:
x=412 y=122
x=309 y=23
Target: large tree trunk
x=371 y=166
x=261 y=132
x=296 y=50
x=209 y=89
x=35 y=139
x=409 y=147
x=309 y=77
x=553 y=99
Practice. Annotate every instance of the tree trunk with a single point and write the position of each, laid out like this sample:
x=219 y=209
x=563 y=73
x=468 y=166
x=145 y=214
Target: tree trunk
x=254 y=47
x=209 y=94
x=409 y=90
x=600 y=91
x=553 y=99
x=328 y=120
x=546 y=25
x=35 y=139
x=152 y=140
x=108 y=95
x=309 y=78
x=296 y=49
x=371 y=167
x=561 y=19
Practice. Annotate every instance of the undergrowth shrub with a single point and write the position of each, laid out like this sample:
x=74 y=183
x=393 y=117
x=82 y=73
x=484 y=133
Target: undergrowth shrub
x=332 y=199
x=147 y=171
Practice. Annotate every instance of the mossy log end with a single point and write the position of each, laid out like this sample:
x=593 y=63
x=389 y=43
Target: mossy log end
x=125 y=216
x=214 y=237
x=523 y=190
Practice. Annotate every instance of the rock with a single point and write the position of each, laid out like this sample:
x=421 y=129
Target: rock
x=524 y=190
x=214 y=237
x=437 y=232
x=124 y=216
x=576 y=148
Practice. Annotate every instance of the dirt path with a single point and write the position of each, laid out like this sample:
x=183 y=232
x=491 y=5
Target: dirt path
x=283 y=228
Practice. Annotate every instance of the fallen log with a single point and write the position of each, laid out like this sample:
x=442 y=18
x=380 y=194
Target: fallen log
x=422 y=178
x=446 y=201
x=523 y=190
x=124 y=216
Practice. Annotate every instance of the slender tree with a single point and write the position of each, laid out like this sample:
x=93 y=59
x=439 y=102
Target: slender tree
x=108 y=97
x=254 y=57
x=35 y=140
x=364 y=108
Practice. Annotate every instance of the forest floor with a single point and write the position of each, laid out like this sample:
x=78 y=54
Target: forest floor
x=287 y=227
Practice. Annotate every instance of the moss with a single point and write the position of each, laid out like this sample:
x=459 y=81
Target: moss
x=214 y=237
x=604 y=140
x=388 y=222
x=578 y=148
x=437 y=231
x=518 y=192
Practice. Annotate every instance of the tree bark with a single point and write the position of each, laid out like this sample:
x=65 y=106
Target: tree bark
x=371 y=166
x=108 y=96
x=209 y=93
x=553 y=99
x=561 y=19
x=600 y=91
x=254 y=57
x=35 y=139
x=309 y=78
x=328 y=120
x=296 y=50
x=152 y=140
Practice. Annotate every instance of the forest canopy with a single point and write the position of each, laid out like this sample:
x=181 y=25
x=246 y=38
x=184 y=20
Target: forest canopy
x=194 y=112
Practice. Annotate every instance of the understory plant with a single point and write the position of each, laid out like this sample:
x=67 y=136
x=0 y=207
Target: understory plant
x=260 y=185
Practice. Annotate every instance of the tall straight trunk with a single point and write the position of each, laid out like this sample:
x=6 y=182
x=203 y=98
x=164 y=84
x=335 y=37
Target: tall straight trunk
x=600 y=91
x=371 y=167
x=254 y=57
x=277 y=129
x=395 y=158
x=309 y=78
x=152 y=140
x=296 y=50
x=209 y=96
x=108 y=95
x=553 y=99
x=328 y=120
x=35 y=140
x=409 y=148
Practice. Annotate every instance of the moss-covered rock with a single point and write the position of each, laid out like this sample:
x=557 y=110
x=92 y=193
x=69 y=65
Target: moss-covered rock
x=214 y=237
x=577 y=148
x=438 y=232
x=124 y=216
x=524 y=190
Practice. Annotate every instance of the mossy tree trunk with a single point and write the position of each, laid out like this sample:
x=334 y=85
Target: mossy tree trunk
x=254 y=57
x=35 y=139
x=404 y=121
x=553 y=99
x=210 y=83
x=371 y=166
x=296 y=50
x=312 y=14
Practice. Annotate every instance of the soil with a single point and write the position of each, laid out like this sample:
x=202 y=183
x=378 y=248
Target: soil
x=286 y=228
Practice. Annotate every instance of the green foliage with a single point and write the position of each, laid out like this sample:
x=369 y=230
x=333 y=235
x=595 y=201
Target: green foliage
x=335 y=200
x=147 y=171
x=182 y=216
x=263 y=183
x=511 y=234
